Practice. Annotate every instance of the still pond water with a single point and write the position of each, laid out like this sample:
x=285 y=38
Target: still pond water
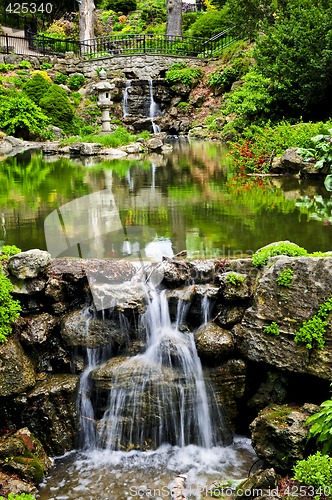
x=186 y=200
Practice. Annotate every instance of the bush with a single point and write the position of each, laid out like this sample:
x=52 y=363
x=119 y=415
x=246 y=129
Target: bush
x=61 y=79
x=4 y=68
x=261 y=257
x=57 y=105
x=45 y=66
x=75 y=82
x=8 y=250
x=312 y=332
x=178 y=73
x=19 y=115
x=9 y=308
x=224 y=79
x=322 y=426
x=208 y=24
x=36 y=87
x=24 y=64
x=21 y=496
x=315 y=471
x=123 y=6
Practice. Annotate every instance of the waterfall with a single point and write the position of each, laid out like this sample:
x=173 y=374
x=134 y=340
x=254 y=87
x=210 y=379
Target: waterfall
x=160 y=396
x=153 y=110
x=125 y=106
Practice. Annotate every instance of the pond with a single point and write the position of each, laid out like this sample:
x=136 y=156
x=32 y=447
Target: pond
x=189 y=200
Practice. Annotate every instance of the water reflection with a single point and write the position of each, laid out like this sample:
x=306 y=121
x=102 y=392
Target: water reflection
x=186 y=200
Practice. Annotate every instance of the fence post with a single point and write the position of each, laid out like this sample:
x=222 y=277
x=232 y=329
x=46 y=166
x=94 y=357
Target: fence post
x=7 y=44
x=144 y=47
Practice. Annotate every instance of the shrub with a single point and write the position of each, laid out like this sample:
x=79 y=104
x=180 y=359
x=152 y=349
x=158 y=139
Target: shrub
x=57 y=105
x=75 y=82
x=36 y=87
x=4 y=68
x=272 y=329
x=19 y=115
x=285 y=277
x=8 y=250
x=315 y=471
x=21 y=496
x=312 y=331
x=46 y=66
x=208 y=24
x=42 y=73
x=61 y=79
x=321 y=426
x=9 y=308
x=24 y=64
x=178 y=73
x=321 y=154
x=261 y=257
x=123 y=6
x=235 y=279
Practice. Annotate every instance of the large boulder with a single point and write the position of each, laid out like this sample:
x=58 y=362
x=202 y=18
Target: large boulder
x=37 y=328
x=16 y=371
x=289 y=307
x=213 y=343
x=279 y=434
x=29 y=264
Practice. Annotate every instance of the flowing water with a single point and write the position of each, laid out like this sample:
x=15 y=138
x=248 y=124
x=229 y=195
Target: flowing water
x=125 y=108
x=153 y=110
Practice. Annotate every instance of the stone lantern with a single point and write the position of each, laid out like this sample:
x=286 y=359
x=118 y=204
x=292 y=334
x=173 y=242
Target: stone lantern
x=104 y=100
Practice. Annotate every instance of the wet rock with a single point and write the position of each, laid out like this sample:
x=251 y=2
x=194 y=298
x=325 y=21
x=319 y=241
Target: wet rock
x=12 y=484
x=50 y=412
x=36 y=329
x=289 y=307
x=259 y=484
x=279 y=434
x=114 y=153
x=235 y=286
x=125 y=297
x=28 y=286
x=50 y=148
x=134 y=148
x=90 y=148
x=190 y=299
x=29 y=264
x=213 y=343
x=77 y=329
x=23 y=454
x=16 y=370
x=290 y=162
x=273 y=390
x=228 y=315
x=154 y=144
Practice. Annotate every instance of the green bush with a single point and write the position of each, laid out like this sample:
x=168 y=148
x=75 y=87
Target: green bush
x=178 y=73
x=123 y=6
x=24 y=64
x=315 y=471
x=285 y=278
x=9 y=308
x=261 y=257
x=321 y=426
x=312 y=331
x=21 y=496
x=8 y=250
x=224 y=79
x=4 y=68
x=36 y=87
x=46 y=66
x=235 y=279
x=61 y=79
x=20 y=116
x=209 y=23
x=57 y=105
x=75 y=82
x=272 y=329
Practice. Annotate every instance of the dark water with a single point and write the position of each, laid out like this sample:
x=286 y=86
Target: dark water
x=187 y=200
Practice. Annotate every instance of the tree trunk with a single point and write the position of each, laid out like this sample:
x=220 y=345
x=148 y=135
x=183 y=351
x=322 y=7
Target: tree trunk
x=87 y=8
x=174 y=18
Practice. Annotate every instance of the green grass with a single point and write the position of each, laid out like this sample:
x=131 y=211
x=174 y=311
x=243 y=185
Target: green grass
x=120 y=137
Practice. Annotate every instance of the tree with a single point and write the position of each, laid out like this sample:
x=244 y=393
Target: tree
x=174 y=18
x=87 y=8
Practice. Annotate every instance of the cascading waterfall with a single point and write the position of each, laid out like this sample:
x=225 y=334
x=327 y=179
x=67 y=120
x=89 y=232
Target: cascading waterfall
x=125 y=106
x=157 y=397
x=153 y=110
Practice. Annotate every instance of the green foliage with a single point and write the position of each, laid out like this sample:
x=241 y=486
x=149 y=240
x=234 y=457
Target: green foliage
x=250 y=17
x=209 y=23
x=321 y=154
x=123 y=6
x=8 y=250
x=20 y=116
x=285 y=278
x=9 y=308
x=272 y=329
x=178 y=73
x=75 y=82
x=321 y=426
x=46 y=66
x=235 y=279
x=24 y=64
x=21 y=496
x=58 y=107
x=261 y=257
x=153 y=13
x=4 y=68
x=312 y=331
x=224 y=79
x=61 y=79
x=36 y=87
x=76 y=97
x=315 y=471
x=119 y=137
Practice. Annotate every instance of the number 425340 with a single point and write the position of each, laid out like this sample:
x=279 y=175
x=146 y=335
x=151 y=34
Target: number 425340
x=29 y=8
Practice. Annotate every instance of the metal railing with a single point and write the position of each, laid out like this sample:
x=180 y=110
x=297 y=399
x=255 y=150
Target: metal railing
x=39 y=44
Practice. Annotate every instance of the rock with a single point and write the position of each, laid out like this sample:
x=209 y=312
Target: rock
x=50 y=148
x=133 y=148
x=16 y=370
x=14 y=485
x=196 y=301
x=228 y=315
x=36 y=329
x=154 y=144
x=115 y=153
x=29 y=264
x=5 y=147
x=90 y=149
x=28 y=286
x=213 y=343
x=78 y=329
x=239 y=290
x=50 y=412
x=259 y=482
x=124 y=297
x=292 y=163
x=75 y=148
x=23 y=454
x=279 y=434
x=289 y=308
x=273 y=390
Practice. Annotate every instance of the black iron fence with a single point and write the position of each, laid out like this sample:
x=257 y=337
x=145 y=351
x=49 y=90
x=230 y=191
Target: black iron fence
x=39 y=44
